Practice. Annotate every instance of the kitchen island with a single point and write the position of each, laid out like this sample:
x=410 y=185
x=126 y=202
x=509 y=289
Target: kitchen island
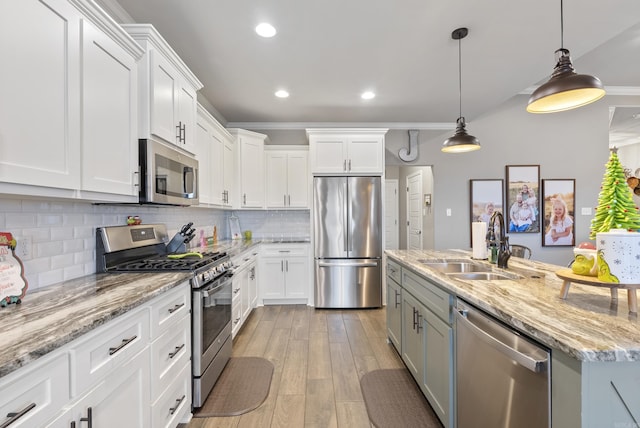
x=595 y=344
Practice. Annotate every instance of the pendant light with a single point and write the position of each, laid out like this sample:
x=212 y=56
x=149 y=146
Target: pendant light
x=461 y=141
x=565 y=89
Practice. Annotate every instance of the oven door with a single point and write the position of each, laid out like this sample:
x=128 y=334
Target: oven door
x=211 y=322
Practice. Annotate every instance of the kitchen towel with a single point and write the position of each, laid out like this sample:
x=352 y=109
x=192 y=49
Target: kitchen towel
x=479 y=240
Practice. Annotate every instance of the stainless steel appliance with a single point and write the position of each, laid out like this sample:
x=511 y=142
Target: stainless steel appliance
x=502 y=377
x=347 y=227
x=143 y=248
x=167 y=175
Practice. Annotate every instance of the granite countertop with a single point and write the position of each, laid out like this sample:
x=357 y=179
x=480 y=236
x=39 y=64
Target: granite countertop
x=54 y=316
x=586 y=326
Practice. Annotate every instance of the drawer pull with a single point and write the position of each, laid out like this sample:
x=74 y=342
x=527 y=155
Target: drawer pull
x=17 y=415
x=179 y=401
x=124 y=343
x=175 y=308
x=174 y=353
x=89 y=418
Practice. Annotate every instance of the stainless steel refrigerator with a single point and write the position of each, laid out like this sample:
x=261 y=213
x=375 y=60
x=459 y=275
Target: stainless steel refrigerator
x=347 y=227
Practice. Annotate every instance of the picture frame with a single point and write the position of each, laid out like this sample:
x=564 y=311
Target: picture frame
x=522 y=195
x=558 y=212
x=485 y=197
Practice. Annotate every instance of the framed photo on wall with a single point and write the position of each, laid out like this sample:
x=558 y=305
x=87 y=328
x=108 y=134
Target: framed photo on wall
x=522 y=192
x=486 y=197
x=558 y=212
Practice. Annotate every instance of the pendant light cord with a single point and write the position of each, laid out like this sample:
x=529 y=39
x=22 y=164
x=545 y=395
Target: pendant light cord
x=460 y=75
x=561 y=26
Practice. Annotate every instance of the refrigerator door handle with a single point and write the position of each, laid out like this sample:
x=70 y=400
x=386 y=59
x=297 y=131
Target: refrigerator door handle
x=343 y=263
x=345 y=218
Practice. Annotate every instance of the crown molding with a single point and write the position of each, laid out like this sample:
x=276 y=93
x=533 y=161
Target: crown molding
x=304 y=125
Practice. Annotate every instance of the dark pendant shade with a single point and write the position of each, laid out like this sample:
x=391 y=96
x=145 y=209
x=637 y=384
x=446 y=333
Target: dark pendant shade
x=461 y=141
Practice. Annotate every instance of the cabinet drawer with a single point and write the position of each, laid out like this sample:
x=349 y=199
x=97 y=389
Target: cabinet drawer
x=394 y=271
x=169 y=308
x=38 y=391
x=169 y=409
x=168 y=354
x=282 y=250
x=108 y=347
x=430 y=295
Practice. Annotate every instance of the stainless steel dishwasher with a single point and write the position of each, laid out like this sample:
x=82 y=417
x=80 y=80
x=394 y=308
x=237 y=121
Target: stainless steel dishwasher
x=502 y=377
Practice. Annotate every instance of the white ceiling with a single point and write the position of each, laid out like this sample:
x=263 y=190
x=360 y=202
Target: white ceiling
x=327 y=52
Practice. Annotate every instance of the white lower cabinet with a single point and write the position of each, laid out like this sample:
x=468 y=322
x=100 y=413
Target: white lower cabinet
x=29 y=398
x=244 y=289
x=284 y=273
x=119 y=400
x=132 y=372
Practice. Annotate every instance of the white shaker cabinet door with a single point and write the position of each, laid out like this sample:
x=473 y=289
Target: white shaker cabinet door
x=186 y=114
x=163 y=88
x=109 y=115
x=298 y=179
x=39 y=111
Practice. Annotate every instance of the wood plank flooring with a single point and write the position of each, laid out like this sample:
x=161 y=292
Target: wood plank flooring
x=319 y=357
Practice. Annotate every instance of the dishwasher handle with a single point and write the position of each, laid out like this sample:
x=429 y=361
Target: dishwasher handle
x=533 y=364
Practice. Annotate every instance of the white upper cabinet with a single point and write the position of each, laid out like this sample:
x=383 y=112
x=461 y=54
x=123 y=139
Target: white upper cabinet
x=39 y=108
x=250 y=154
x=68 y=108
x=109 y=119
x=346 y=151
x=215 y=151
x=167 y=89
x=287 y=177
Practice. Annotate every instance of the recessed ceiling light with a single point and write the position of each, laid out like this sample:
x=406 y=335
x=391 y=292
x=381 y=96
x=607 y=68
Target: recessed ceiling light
x=265 y=30
x=282 y=93
x=367 y=95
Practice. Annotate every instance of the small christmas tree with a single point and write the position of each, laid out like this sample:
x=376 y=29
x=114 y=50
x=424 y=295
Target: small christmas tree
x=616 y=209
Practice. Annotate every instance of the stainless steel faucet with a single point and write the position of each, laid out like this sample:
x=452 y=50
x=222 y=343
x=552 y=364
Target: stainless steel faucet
x=503 y=248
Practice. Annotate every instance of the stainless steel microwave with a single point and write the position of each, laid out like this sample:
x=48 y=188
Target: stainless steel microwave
x=167 y=175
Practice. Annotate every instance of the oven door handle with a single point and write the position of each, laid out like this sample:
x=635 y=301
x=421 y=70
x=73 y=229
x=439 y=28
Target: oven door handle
x=206 y=292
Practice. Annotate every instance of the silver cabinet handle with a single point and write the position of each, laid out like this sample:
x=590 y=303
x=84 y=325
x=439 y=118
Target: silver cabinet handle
x=415 y=318
x=286 y=264
x=524 y=360
x=281 y=265
x=178 y=132
x=175 y=308
x=124 y=343
x=244 y=199
x=284 y=251
x=179 y=401
x=14 y=416
x=176 y=351
x=397 y=295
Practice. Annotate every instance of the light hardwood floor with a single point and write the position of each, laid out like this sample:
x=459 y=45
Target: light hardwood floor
x=319 y=357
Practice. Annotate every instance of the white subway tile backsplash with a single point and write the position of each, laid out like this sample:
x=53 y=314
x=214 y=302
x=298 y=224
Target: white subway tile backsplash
x=63 y=233
x=50 y=219
x=20 y=220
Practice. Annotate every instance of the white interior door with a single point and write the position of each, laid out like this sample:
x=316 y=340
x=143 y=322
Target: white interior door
x=391 y=225
x=414 y=211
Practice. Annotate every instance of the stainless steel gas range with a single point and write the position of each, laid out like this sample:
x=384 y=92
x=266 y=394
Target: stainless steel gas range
x=143 y=248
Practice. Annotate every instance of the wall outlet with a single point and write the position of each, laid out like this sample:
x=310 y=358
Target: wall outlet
x=448 y=212
x=586 y=211
x=24 y=248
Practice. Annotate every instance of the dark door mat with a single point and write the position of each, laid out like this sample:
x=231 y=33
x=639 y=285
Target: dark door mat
x=243 y=386
x=394 y=400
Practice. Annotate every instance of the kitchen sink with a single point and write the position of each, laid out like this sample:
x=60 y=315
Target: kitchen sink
x=484 y=276
x=456 y=267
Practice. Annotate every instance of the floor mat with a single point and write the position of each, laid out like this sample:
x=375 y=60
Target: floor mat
x=394 y=400
x=243 y=386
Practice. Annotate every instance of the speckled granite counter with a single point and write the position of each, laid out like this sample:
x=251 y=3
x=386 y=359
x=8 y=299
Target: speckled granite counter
x=586 y=326
x=58 y=314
